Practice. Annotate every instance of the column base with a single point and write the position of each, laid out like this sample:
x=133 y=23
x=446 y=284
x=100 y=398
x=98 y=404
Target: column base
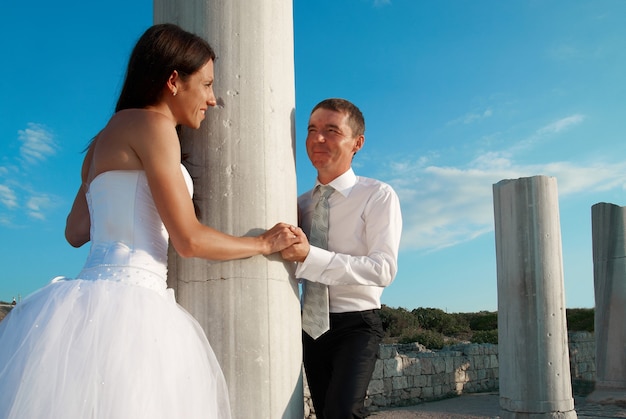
x=505 y=414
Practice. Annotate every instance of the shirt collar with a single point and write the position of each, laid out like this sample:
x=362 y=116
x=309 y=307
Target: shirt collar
x=342 y=184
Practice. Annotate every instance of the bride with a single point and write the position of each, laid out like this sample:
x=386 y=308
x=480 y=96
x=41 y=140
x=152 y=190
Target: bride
x=113 y=343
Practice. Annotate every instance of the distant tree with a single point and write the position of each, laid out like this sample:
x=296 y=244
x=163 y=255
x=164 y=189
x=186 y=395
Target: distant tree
x=396 y=320
x=428 y=338
x=483 y=320
x=433 y=327
x=580 y=319
x=485 y=336
x=439 y=321
x=430 y=318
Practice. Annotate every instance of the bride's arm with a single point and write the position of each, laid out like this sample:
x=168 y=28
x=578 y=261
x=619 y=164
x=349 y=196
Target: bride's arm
x=78 y=222
x=159 y=153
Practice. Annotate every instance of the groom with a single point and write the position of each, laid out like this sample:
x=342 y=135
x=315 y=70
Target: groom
x=360 y=223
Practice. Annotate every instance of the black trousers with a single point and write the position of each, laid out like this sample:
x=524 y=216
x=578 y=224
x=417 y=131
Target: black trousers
x=339 y=364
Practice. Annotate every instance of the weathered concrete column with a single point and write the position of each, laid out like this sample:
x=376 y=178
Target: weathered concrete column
x=244 y=167
x=608 y=225
x=532 y=333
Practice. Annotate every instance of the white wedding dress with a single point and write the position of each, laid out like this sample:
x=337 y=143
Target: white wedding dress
x=112 y=343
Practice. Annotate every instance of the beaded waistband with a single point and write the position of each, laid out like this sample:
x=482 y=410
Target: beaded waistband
x=131 y=275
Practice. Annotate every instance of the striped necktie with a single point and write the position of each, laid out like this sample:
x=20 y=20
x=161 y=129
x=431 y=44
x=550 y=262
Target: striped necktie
x=315 y=320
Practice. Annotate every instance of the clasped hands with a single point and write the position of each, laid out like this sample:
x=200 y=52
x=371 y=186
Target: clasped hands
x=289 y=240
x=298 y=251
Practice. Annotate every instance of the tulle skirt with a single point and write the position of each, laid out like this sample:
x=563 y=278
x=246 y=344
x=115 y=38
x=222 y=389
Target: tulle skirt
x=79 y=349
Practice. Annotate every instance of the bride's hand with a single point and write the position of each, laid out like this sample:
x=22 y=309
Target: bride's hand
x=281 y=236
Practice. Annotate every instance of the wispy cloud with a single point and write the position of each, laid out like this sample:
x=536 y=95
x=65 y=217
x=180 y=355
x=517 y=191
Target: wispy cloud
x=4 y=220
x=563 y=52
x=37 y=143
x=472 y=117
x=561 y=124
x=37 y=205
x=444 y=205
x=19 y=201
x=8 y=197
x=548 y=130
x=582 y=51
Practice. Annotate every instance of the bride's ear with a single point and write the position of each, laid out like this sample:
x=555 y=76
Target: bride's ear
x=173 y=82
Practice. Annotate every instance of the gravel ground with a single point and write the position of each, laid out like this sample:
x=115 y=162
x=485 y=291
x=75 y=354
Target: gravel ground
x=487 y=406
x=468 y=406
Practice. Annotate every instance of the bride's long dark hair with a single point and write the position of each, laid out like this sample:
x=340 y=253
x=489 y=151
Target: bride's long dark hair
x=162 y=49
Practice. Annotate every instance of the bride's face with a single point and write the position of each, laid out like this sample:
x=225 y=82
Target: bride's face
x=195 y=96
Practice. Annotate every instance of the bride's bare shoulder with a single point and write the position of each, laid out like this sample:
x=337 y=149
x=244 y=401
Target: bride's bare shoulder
x=138 y=124
x=138 y=116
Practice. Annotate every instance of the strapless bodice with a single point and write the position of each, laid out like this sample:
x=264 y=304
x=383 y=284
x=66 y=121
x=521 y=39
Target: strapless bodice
x=128 y=239
x=112 y=342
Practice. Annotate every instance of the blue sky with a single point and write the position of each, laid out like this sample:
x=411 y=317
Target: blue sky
x=457 y=96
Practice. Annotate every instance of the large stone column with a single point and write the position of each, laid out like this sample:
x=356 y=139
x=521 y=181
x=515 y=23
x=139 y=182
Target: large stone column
x=532 y=333
x=243 y=163
x=608 y=224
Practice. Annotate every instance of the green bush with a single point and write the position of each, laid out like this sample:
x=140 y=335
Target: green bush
x=432 y=327
x=409 y=335
x=485 y=336
x=428 y=338
x=483 y=320
x=580 y=319
x=396 y=321
x=438 y=320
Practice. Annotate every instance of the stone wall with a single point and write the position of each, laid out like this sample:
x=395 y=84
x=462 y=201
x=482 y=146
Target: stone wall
x=409 y=374
x=582 y=361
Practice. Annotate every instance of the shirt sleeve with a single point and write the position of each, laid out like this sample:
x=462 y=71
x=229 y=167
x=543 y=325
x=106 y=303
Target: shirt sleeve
x=383 y=227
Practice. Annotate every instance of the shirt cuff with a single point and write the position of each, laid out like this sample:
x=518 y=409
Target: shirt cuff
x=314 y=265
